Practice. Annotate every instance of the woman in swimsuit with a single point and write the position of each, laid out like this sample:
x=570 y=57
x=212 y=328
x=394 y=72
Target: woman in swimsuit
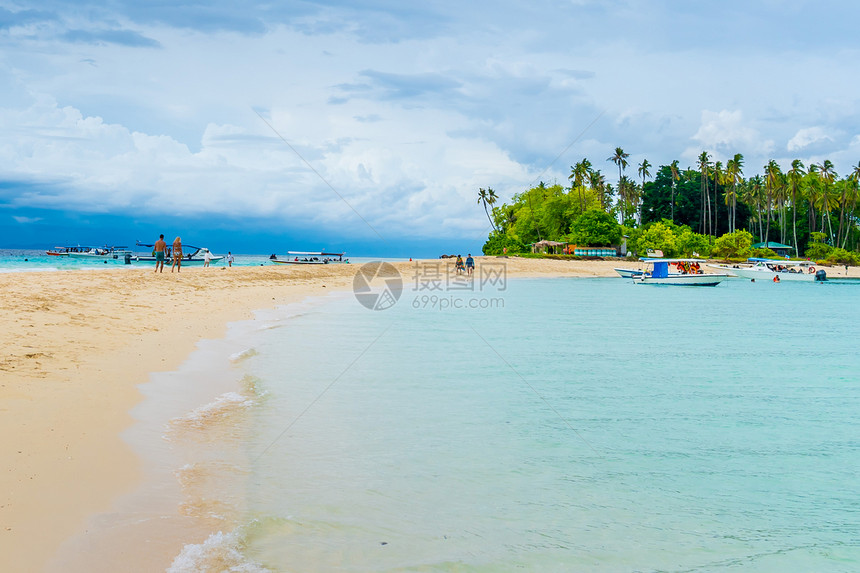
x=177 y=255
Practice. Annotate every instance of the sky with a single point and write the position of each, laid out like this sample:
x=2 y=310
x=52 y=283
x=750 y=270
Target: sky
x=369 y=126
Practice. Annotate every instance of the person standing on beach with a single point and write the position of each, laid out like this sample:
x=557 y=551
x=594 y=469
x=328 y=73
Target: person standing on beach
x=207 y=258
x=177 y=255
x=470 y=264
x=229 y=259
x=159 y=247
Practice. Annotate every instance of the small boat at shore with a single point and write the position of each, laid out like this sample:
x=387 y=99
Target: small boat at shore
x=659 y=274
x=310 y=258
x=767 y=269
x=191 y=255
x=92 y=253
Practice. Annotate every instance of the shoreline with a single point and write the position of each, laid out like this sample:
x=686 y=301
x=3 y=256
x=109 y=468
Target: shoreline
x=79 y=345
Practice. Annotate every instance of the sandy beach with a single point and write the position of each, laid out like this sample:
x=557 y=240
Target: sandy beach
x=76 y=345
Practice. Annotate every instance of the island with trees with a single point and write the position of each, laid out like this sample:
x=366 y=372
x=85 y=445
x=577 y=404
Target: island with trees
x=710 y=210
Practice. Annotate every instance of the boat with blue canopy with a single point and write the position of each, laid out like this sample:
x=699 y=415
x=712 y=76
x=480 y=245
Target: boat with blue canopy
x=690 y=274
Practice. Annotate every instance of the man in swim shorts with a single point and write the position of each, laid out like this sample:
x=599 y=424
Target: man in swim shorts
x=160 y=245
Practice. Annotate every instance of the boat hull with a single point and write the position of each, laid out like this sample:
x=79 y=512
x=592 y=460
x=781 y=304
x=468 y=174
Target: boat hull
x=765 y=275
x=92 y=257
x=682 y=280
x=285 y=262
x=185 y=262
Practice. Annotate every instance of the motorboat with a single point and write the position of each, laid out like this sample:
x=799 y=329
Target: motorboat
x=657 y=273
x=106 y=253
x=767 y=269
x=310 y=258
x=191 y=255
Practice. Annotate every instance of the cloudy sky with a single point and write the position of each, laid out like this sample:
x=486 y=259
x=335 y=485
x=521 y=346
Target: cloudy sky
x=369 y=125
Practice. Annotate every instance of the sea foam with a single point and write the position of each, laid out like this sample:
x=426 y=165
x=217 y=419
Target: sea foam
x=220 y=552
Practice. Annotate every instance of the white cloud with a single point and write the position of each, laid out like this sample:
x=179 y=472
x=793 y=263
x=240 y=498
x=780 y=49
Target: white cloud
x=807 y=136
x=728 y=132
x=26 y=220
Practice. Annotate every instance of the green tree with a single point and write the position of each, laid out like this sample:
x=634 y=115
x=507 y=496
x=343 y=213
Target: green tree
x=487 y=197
x=794 y=177
x=733 y=245
x=619 y=159
x=657 y=237
x=734 y=171
x=817 y=248
x=596 y=228
x=643 y=173
x=676 y=176
x=704 y=171
x=688 y=243
x=772 y=179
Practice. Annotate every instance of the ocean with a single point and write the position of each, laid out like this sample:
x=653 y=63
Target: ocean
x=18 y=260
x=527 y=425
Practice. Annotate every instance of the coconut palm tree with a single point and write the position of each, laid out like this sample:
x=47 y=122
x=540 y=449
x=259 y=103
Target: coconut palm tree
x=719 y=179
x=487 y=197
x=827 y=199
x=619 y=159
x=853 y=183
x=772 y=175
x=676 y=176
x=795 y=191
x=734 y=175
x=643 y=173
x=704 y=171
x=753 y=196
x=580 y=174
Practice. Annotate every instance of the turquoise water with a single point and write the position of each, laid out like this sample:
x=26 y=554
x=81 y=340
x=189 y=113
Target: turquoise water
x=13 y=260
x=588 y=425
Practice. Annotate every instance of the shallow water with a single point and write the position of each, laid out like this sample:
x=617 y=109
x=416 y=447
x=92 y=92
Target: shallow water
x=18 y=260
x=588 y=425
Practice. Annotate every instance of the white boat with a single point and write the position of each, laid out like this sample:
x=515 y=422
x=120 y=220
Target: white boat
x=191 y=255
x=659 y=274
x=767 y=269
x=106 y=253
x=310 y=258
x=632 y=273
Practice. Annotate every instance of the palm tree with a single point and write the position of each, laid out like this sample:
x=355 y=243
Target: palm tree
x=643 y=173
x=812 y=185
x=487 y=197
x=827 y=200
x=676 y=176
x=753 y=198
x=795 y=176
x=772 y=173
x=705 y=218
x=619 y=159
x=580 y=173
x=719 y=179
x=737 y=177
x=853 y=196
x=597 y=181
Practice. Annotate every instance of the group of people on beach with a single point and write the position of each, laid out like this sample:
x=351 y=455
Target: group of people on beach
x=468 y=267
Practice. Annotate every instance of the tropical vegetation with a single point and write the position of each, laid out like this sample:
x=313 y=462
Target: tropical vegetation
x=712 y=209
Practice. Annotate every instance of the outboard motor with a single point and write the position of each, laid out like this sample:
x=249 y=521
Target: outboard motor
x=128 y=258
x=821 y=275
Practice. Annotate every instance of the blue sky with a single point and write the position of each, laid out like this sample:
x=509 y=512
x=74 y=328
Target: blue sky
x=369 y=126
